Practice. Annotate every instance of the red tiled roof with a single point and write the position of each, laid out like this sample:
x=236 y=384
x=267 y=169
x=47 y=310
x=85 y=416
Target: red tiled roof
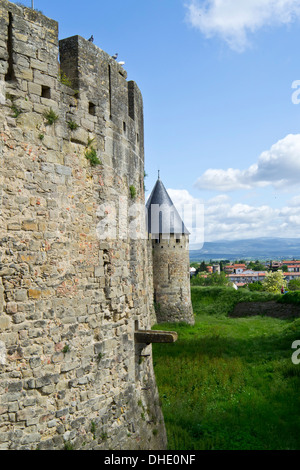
x=297 y=261
x=249 y=274
x=291 y=274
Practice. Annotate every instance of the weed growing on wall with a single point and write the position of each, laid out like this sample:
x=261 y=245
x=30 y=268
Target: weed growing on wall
x=51 y=117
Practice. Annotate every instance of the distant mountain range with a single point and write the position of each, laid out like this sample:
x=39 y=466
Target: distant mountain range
x=258 y=248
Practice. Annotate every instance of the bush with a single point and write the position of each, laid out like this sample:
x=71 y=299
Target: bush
x=219 y=300
x=294 y=284
x=290 y=298
x=256 y=286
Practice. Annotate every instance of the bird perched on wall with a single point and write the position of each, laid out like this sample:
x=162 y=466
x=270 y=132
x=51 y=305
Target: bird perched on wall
x=121 y=63
x=91 y=39
x=115 y=56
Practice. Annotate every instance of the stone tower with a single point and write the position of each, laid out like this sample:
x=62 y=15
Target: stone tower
x=170 y=246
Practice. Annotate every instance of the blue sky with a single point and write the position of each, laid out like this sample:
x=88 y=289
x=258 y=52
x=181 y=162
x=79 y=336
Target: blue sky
x=216 y=78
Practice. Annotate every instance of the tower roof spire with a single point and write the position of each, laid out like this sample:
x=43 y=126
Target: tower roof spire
x=163 y=217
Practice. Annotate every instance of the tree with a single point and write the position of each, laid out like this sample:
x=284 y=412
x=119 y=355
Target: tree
x=273 y=282
x=256 y=266
x=202 y=267
x=214 y=279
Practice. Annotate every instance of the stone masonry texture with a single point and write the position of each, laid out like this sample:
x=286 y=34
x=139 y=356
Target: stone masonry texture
x=171 y=279
x=70 y=300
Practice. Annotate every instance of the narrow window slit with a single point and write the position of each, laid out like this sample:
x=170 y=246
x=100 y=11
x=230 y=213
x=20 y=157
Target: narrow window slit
x=46 y=92
x=92 y=109
x=131 y=110
x=10 y=75
x=109 y=91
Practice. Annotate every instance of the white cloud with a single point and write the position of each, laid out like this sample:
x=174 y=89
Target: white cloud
x=224 y=219
x=278 y=167
x=233 y=20
x=295 y=201
x=191 y=211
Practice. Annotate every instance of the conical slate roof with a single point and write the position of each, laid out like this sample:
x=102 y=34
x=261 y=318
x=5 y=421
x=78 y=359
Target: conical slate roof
x=162 y=216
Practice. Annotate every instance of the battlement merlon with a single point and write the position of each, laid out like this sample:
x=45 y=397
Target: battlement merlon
x=29 y=65
x=28 y=15
x=28 y=41
x=102 y=81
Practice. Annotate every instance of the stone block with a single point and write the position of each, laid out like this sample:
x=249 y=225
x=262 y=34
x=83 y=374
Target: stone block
x=29 y=226
x=39 y=65
x=11 y=307
x=5 y=323
x=63 y=170
x=34 y=294
x=35 y=89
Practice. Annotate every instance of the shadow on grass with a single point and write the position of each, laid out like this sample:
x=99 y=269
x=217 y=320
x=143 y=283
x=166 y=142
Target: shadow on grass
x=216 y=344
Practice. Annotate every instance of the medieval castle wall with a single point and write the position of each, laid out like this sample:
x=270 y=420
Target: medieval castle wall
x=71 y=372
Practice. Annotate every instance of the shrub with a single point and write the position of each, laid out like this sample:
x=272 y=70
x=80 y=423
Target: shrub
x=294 y=284
x=290 y=298
x=256 y=286
x=220 y=300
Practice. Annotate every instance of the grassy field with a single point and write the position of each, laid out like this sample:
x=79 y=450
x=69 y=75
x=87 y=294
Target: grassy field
x=229 y=383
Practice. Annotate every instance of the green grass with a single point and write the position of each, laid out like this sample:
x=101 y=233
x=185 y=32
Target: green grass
x=229 y=383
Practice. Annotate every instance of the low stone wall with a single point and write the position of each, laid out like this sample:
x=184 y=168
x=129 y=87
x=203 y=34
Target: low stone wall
x=270 y=309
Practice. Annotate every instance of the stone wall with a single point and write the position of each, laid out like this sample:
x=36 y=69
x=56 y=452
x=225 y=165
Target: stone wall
x=71 y=299
x=268 y=309
x=171 y=279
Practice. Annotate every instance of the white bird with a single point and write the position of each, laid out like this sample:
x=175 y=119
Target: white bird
x=121 y=63
x=115 y=56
